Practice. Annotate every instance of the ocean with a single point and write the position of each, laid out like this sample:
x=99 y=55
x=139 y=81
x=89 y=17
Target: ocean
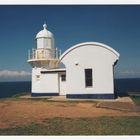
x=8 y=89
x=122 y=86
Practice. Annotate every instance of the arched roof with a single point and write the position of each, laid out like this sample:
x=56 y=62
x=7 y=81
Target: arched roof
x=89 y=43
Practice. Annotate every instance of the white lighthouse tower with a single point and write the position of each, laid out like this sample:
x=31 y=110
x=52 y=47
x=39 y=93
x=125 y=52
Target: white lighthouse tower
x=43 y=57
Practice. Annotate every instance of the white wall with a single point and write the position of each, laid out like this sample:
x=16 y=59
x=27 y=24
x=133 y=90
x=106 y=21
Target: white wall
x=98 y=58
x=62 y=84
x=35 y=82
x=48 y=83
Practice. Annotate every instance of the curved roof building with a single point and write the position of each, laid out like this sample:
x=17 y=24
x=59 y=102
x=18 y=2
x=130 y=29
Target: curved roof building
x=88 y=72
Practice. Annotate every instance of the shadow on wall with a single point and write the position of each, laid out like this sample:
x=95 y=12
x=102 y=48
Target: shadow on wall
x=61 y=65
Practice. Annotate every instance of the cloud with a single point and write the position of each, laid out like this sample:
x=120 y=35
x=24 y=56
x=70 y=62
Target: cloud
x=128 y=74
x=8 y=73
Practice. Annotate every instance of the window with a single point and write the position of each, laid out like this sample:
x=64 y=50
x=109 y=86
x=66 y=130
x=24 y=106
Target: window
x=37 y=77
x=88 y=77
x=63 y=77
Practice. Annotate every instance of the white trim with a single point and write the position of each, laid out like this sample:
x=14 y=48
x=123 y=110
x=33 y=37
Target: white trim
x=89 y=43
x=60 y=69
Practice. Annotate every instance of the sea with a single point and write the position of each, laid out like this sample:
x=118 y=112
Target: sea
x=121 y=86
x=9 y=89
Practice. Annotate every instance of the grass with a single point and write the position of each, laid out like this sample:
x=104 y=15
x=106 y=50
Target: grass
x=81 y=126
x=135 y=97
x=14 y=97
x=136 y=100
x=20 y=94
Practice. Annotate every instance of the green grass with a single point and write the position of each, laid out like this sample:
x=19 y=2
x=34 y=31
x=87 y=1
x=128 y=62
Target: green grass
x=135 y=97
x=133 y=94
x=136 y=100
x=15 y=97
x=21 y=94
x=85 y=126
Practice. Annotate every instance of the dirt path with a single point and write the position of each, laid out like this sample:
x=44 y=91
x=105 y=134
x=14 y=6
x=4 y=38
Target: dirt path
x=22 y=112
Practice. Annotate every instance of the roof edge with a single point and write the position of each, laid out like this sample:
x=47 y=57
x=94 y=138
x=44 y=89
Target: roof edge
x=89 y=43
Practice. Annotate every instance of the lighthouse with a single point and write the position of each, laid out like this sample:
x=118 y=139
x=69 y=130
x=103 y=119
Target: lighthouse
x=43 y=57
x=87 y=72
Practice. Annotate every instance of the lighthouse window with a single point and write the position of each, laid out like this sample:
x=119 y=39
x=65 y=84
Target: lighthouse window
x=63 y=77
x=88 y=77
x=37 y=77
x=45 y=42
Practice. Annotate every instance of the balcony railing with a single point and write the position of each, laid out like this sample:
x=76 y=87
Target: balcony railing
x=44 y=53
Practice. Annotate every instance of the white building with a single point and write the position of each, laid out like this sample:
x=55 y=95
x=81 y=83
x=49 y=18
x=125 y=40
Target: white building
x=88 y=72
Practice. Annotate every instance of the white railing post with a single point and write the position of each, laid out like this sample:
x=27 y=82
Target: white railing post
x=36 y=54
x=56 y=53
x=32 y=55
x=43 y=53
x=29 y=54
x=59 y=52
x=53 y=53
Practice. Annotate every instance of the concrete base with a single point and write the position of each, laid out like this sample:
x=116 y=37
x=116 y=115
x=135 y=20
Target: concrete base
x=63 y=98
x=91 y=96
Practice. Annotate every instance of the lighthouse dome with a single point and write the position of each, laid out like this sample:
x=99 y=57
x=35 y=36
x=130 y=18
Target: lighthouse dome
x=44 y=33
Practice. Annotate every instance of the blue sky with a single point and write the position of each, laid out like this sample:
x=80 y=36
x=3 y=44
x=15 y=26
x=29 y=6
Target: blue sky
x=117 y=26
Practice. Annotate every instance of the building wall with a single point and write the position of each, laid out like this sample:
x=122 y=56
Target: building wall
x=45 y=84
x=62 y=84
x=100 y=59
